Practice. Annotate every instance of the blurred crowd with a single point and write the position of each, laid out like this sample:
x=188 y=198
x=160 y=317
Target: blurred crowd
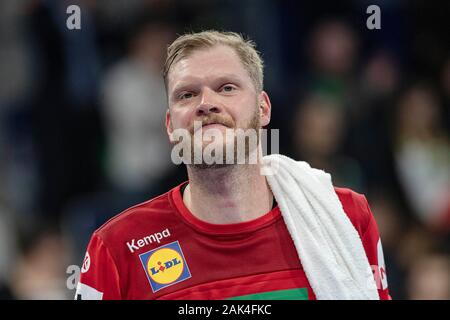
x=82 y=121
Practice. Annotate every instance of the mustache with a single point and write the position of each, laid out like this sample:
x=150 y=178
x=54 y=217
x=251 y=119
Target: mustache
x=213 y=119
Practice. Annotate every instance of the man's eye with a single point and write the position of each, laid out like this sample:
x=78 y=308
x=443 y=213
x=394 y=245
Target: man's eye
x=186 y=95
x=228 y=88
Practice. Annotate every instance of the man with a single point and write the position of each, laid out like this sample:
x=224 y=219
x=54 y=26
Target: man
x=221 y=234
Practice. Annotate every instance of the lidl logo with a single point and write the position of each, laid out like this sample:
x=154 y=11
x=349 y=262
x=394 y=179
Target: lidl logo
x=165 y=266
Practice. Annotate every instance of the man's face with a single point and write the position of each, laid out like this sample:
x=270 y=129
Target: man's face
x=212 y=86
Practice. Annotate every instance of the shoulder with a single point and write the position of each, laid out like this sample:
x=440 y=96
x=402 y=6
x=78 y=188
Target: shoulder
x=356 y=207
x=151 y=214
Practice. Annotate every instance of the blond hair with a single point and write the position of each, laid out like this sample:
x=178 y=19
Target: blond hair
x=184 y=45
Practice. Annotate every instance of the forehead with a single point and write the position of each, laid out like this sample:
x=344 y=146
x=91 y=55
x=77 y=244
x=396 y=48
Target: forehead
x=207 y=63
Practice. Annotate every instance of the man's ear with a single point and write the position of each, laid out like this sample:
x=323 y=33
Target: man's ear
x=169 y=127
x=265 y=108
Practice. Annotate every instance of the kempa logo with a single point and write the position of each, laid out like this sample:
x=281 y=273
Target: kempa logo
x=156 y=237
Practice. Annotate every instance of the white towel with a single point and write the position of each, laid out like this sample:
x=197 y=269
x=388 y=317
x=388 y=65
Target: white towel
x=328 y=245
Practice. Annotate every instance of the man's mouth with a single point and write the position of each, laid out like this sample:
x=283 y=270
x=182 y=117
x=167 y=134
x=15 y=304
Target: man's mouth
x=210 y=124
x=213 y=125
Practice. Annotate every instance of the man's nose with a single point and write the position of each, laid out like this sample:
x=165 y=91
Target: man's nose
x=207 y=104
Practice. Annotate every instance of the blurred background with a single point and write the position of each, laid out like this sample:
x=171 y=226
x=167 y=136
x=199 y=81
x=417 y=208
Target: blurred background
x=82 y=121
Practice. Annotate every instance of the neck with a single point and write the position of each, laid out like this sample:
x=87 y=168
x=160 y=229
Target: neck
x=231 y=194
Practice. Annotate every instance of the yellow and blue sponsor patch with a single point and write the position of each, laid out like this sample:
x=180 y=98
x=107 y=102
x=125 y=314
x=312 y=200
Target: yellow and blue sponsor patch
x=165 y=266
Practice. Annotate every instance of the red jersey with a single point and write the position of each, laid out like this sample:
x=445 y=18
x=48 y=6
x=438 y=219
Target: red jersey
x=160 y=250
